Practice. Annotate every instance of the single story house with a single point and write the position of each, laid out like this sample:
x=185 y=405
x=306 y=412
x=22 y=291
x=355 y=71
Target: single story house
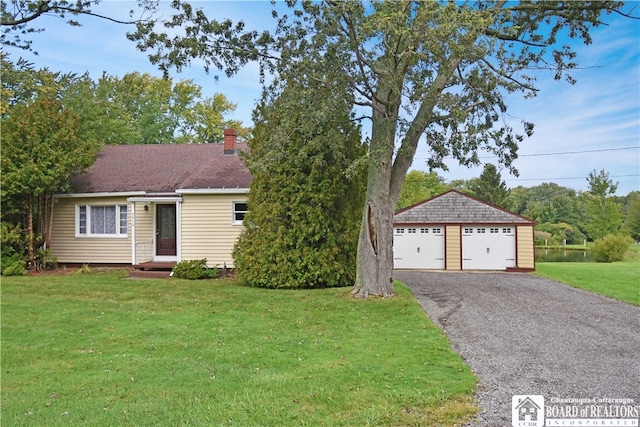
x=454 y=231
x=157 y=202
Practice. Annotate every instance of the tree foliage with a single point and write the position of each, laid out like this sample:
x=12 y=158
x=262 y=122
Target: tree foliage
x=17 y=16
x=604 y=214
x=600 y=185
x=21 y=83
x=576 y=215
x=490 y=187
x=143 y=109
x=561 y=233
x=12 y=250
x=530 y=201
x=41 y=148
x=438 y=70
x=631 y=223
x=133 y=109
x=419 y=186
x=306 y=195
x=549 y=203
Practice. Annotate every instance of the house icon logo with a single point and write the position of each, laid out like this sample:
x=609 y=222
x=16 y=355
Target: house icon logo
x=527 y=411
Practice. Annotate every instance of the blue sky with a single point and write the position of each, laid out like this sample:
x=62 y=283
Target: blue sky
x=594 y=124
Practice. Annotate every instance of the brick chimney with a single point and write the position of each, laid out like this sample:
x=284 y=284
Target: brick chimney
x=230 y=139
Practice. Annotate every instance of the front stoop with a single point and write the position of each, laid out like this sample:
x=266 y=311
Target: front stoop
x=152 y=270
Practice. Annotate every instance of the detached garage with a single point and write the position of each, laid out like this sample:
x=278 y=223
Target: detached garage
x=454 y=231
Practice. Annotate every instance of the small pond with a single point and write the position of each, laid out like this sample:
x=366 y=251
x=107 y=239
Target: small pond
x=562 y=255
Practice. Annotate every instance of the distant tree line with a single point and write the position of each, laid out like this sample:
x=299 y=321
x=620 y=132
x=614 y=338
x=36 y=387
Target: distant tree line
x=563 y=214
x=133 y=109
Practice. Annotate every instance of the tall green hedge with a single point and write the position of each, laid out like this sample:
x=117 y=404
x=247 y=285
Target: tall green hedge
x=305 y=201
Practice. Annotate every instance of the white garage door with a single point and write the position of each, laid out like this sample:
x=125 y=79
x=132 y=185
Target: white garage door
x=418 y=247
x=488 y=248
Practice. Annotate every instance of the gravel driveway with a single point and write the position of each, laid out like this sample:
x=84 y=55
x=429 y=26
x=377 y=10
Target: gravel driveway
x=525 y=335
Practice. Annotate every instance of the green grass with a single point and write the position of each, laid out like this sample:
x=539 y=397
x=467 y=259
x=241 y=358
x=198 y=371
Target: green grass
x=619 y=280
x=101 y=349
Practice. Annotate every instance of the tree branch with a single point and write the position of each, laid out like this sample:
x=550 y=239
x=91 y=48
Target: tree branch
x=418 y=125
x=45 y=7
x=511 y=79
x=361 y=62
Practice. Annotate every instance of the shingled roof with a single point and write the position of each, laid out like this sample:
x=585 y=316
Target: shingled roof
x=163 y=168
x=454 y=207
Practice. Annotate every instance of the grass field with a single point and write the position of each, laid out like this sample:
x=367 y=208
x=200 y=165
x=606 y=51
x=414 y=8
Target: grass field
x=619 y=280
x=104 y=350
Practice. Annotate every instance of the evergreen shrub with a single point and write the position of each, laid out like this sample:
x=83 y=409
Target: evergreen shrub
x=13 y=265
x=194 y=269
x=610 y=248
x=305 y=203
x=12 y=246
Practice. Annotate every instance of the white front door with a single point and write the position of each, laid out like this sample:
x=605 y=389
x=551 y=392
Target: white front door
x=488 y=248
x=418 y=248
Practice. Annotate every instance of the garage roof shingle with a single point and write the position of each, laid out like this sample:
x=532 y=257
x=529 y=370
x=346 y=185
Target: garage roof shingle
x=454 y=207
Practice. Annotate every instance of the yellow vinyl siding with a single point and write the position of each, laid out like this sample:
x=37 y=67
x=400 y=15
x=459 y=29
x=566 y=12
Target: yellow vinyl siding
x=71 y=249
x=145 y=234
x=526 y=255
x=452 y=248
x=144 y=222
x=207 y=231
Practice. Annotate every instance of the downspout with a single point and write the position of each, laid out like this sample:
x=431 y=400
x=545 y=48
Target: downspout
x=134 y=261
x=179 y=231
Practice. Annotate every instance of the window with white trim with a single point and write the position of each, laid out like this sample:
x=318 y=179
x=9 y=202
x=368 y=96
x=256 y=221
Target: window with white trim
x=239 y=211
x=101 y=220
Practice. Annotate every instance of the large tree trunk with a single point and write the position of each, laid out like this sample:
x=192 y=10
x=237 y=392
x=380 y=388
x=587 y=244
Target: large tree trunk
x=375 y=245
x=386 y=176
x=375 y=249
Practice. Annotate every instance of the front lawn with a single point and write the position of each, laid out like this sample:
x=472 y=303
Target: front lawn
x=104 y=350
x=619 y=280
